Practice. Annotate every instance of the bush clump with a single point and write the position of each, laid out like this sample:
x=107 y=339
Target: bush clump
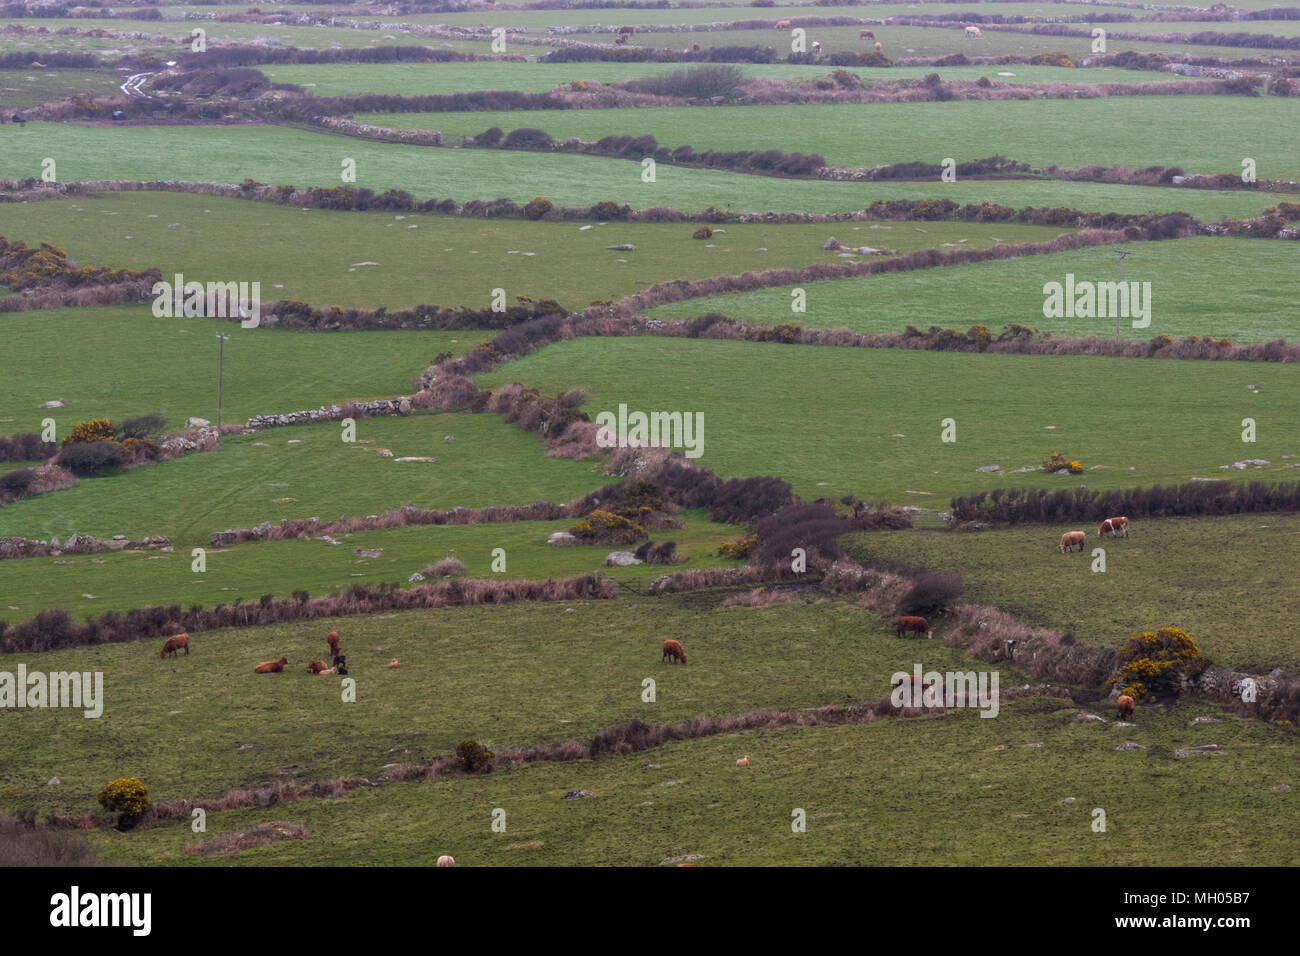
x=126 y=796
x=91 y=458
x=1057 y=463
x=1157 y=663
x=605 y=527
x=97 y=429
x=473 y=757
x=933 y=592
x=738 y=549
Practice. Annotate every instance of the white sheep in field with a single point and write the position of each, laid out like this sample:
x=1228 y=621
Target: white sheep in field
x=973 y=32
x=446 y=861
x=743 y=761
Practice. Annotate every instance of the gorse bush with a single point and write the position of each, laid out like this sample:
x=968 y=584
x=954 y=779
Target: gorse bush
x=473 y=757
x=1158 y=663
x=1058 y=463
x=537 y=208
x=604 y=527
x=740 y=548
x=97 y=429
x=126 y=795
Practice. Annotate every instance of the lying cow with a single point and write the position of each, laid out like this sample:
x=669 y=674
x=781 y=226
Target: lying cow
x=781 y=25
x=271 y=667
x=1071 y=538
x=917 y=625
x=1113 y=526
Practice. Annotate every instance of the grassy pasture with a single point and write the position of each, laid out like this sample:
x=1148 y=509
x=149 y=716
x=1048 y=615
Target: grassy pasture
x=379 y=258
x=823 y=418
x=911 y=792
x=487 y=463
x=230 y=153
x=126 y=579
x=21 y=89
x=571 y=672
x=899 y=42
x=265 y=370
x=1242 y=289
x=1195 y=132
x=1193 y=573
x=415 y=79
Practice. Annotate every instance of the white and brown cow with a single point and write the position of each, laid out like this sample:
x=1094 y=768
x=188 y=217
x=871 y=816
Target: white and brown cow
x=1113 y=526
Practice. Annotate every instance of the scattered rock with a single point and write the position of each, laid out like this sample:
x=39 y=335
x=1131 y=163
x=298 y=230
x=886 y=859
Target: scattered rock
x=1124 y=723
x=57 y=403
x=1195 y=751
x=1090 y=717
x=52 y=782
x=690 y=857
x=369 y=552
x=831 y=245
x=196 y=422
x=412 y=458
x=417 y=576
x=652 y=766
x=621 y=559
x=265 y=798
x=1206 y=720
x=578 y=795
x=1130 y=745
x=1068 y=800
x=623 y=247
x=990 y=468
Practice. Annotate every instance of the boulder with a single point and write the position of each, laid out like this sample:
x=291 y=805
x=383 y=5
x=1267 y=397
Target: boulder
x=196 y=422
x=560 y=538
x=831 y=245
x=621 y=559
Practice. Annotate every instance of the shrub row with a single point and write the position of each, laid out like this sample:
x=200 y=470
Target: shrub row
x=55 y=628
x=1019 y=506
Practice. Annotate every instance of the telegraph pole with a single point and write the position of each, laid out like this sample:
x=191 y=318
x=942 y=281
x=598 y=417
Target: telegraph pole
x=1121 y=253
x=221 y=348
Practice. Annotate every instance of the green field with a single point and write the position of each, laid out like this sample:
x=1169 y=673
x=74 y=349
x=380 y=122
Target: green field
x=1169 y=572
x=1200 y=135
x=1247 y=297
x=824 y=418
x=228 y=154
x=186 y=499
x=21 y=89
x=895 y=793
x=399 y=260
x=265 y=370
x=418 y=79
x=124 y=580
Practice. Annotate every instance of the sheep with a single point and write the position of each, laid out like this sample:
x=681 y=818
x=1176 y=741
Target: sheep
x=445 y=860
x=271 y=667
x=816 y=46
x=174 y=644
x=973 y=32
x=315 y=667
x=328 y=672
x=673 y=652
x=743 y=761
x=1126 y=706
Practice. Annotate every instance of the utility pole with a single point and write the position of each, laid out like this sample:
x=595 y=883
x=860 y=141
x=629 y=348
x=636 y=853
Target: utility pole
x=221 y=348
x=1121 y=253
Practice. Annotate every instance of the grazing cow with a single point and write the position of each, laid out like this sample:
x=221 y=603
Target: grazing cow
x=315 y=667
x=271 y=667
x=624 y=31
x=673 y=652
x=1116 y=526
x=973 y=32
x=1126 y=705
x=1070 y=539
x=743 y=761
x=879 y=48
x=446 y=860
x=781 y=25
x=333 y=638
x=866 y=35
x=174 y=644
x=918 y=624
x=620 y=40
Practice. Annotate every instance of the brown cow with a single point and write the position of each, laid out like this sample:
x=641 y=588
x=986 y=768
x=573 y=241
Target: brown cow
x=1116 y=526
x=271 y=667
x=620 y=40
x=866 y=35
x=174 y=644
x=781 y=25
x=333 y=638
x=673 y=652
x=918 y=624
x=1070 y=539
x=315 y=667
x=624 y=31
x=1126 y=705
